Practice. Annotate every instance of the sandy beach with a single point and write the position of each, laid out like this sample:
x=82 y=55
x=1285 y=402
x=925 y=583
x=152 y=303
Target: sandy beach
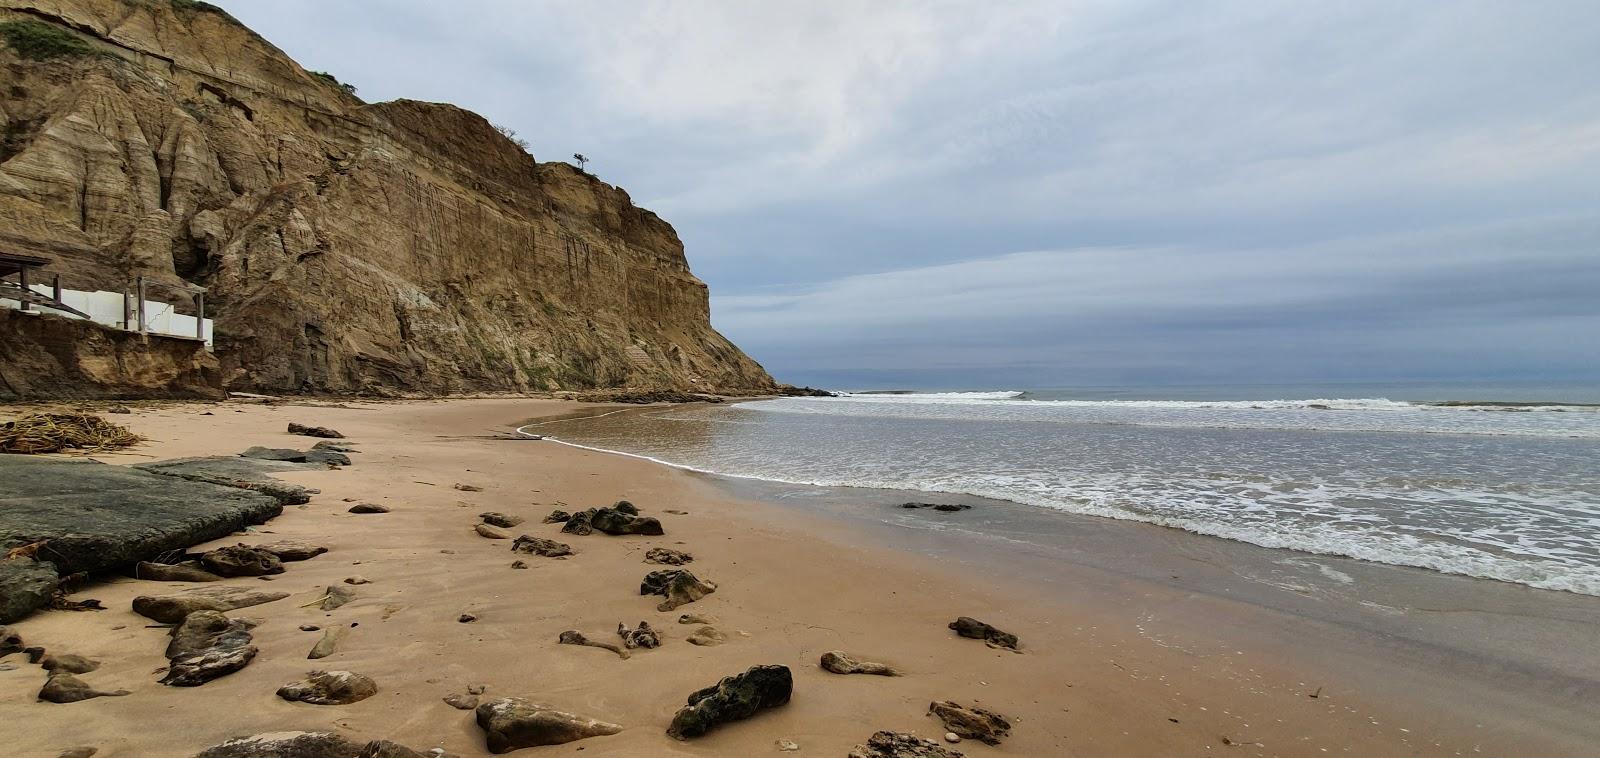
x=1089 y=680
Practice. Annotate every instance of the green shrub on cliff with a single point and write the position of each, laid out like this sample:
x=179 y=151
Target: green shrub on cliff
x=349 y=89
x=37 y=40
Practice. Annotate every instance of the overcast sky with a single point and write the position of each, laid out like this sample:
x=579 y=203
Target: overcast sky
x=972 y=194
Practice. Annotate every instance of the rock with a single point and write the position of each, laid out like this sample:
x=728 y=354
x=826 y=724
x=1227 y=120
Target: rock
x=734 y=698
x=171 y=609
x=975 y=629
x=468 y=487
x=707 y=636
x=519 y=564
x=63 y=687
x=10 y=641
x=368 y=508
x=357 y=580
x=695 y=618
x=945 y=507
x=462 y=702
x=207 y=645
x=313 y=431
x=841 y=663
x=786 y=746
x=899 y=745
x=26 y=585
x=188 y=571
x=34 y=653
x=310 y=628
x=675 y=512
x=335 y=447
x=335 y=596
x=979 y=724
x=314 y=455
x=642 y=637
x=678 y=586
x=79 y=752
x=466 y=618
x=492 y=532
x=291 y=550
x=310 y=745
x=502 y=520
x=667 y=556
x=541 y=546
x=557 y=516
x=330 y=688
x=328 y=644
x=578 y=523
x=577 y=638
x=72 y=664
x=623 y=506
x=511 y=723
x=243 y=473
x=616 y=522
x=240 y=560
x=952 y=738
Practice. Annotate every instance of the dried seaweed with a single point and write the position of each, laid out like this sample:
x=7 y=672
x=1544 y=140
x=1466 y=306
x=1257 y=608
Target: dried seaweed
x=54 y=432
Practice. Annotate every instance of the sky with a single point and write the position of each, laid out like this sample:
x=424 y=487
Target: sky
x=1048 y=194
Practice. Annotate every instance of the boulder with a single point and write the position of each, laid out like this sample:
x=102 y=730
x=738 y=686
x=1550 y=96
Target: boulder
x=899 y=745
x=171 y=609
x=330 y=688
x=841 y=663
x=502 y=520
x=615 y=522
x=360 y=508
x=293 y=550
x=678 y=586
x=188 y=571
x=641 y=637
x=241 y=560
x=574 y=637
x=967 y=626
x=734 y=698
x=314 y=431
x=207 y=645
x=578 y=523
x=557 y=516
x=540 y=546
x=26 y=585
x=667 y=556
x=63 y=687
x=979 y=724
x=512 y=723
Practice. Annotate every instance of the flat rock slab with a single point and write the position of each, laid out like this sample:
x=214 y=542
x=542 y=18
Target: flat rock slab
x=97 y=516
x=245 y=473
x=25 y=586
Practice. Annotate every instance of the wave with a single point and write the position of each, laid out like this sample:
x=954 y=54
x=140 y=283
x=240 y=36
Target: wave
x=897 y=396
x=1314 y=404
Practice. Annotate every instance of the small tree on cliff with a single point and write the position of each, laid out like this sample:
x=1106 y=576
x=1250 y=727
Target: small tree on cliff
x=580 y=159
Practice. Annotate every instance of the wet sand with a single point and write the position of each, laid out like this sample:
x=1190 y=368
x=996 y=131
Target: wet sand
x=1115 y=661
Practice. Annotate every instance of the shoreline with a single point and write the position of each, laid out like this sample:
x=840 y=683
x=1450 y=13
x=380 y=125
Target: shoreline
x=1099 y=675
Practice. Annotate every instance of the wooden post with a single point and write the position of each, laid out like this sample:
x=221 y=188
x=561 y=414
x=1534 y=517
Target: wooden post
x=56 y=285
x=140 y=304
x=23 y=273
x=200 y=316
x=127 y=307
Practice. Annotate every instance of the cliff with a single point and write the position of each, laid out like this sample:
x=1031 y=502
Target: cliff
x=346 y=247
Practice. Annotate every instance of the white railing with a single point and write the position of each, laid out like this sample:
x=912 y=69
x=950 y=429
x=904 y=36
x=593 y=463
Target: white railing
x=122 y=311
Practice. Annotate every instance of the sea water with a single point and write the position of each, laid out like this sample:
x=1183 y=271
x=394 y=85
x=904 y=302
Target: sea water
x=1501 y=484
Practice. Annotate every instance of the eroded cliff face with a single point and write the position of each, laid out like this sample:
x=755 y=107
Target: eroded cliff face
x=400 y=246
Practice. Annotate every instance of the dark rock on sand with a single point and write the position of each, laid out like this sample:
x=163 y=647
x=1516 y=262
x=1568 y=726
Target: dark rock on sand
x=615 y=522
x=207 y=645
x=667 y=556
x=468 y=487
x=336 y=447
x=967 y=626
x=72 y=664
x=368 y=508
x=578 y=523
x=10 y=641
x=81 y=752
x=314 y=431
x=171 y=609
x=242 y=473
x=707 y=636
x=541 y=546
x=945 y=507
x=979 y=724
x=26 y=585
x=241 y=560
x=63 y=687
x=841 y=663
x=557 y=516
x=330 y=688
x=734 y=698
x=505 y=521
x=328 y=644
x=511 y=723
x=641 y=637
x=623 y=506
x=291 y=550
x=188 y=571
x=310 y=745
x=492 y=532
x=577 y=638
x=696 y=618
x=900 y=745
x=328 y=457
x=678 y=586
x=519 y=564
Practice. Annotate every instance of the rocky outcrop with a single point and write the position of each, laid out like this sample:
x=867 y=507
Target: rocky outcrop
x=348 y=247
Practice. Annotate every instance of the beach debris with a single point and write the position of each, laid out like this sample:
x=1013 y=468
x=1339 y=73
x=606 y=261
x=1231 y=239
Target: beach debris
x=786 y=746
x=557 y=516
x=980 y=724
x=573 y=637
x=519 y=564
x=492 y=532
x=207 y=645
x=734 y=698
x=972 y=628
x=63 y=687
x=695 y=618
x=666 y=556
x=467 y=487
x=187 y=571
x=943 y=507
x=467 y=618
x=334 y=596
x=54 y=432
x=841 y=663
x=10 y=641
x=368 y=508
x=240 y=560
x=314 y=431
x=171 y=609
x=540 y=546
x=495 y=518
x=642 y=637
x=328 y=644
x=26 y=585
x=678 y=586
x=357 y=580
x=60 y=602
x=1316 y=694
x=707 y=636
x=284 y=744
x=887 y=744
x=287 y=455
x=330 y=688
x=512 y=723
x=72 y=664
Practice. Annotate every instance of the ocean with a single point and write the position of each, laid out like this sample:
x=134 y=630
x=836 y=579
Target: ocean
x=1498 y=482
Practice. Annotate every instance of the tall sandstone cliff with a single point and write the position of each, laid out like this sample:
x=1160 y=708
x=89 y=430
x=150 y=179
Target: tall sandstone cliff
x=346 y=247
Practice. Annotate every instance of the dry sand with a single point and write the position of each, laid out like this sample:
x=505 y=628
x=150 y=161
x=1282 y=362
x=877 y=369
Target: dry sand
x=791 y=587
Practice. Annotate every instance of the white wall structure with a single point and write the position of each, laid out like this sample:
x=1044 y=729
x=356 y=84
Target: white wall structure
x=106 y=308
